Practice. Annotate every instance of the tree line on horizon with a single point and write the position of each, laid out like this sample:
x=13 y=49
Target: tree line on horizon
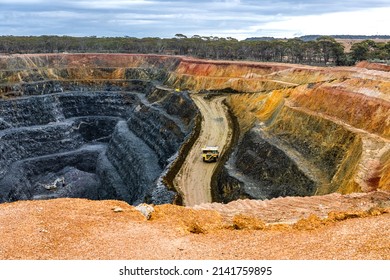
x=323 y=50
x=344 y=37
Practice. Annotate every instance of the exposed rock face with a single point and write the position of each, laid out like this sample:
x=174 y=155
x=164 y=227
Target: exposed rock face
x=107 y=119
x=272 y=171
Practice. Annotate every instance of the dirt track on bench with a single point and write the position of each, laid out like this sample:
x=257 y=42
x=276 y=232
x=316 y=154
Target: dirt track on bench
x=194 y=178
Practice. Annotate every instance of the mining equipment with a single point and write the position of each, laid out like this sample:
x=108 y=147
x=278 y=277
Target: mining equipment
x=210 y=153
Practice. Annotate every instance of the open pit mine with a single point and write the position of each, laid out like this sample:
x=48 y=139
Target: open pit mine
x=130 y=128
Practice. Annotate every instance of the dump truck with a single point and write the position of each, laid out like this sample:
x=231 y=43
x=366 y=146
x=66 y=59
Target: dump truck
x=210 y=153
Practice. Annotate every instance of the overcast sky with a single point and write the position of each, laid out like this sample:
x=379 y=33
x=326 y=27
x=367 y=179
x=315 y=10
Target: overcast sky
x=223 y=18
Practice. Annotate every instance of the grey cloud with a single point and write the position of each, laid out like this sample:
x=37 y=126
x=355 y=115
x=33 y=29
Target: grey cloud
x=162 y=18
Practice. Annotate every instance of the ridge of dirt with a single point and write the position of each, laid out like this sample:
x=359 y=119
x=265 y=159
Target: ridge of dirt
x=289 y=210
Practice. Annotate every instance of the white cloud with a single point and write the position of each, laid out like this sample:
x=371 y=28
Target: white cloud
x=365 y=22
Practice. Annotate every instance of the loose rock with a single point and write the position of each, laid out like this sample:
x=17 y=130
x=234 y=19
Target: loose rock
x=145 y=210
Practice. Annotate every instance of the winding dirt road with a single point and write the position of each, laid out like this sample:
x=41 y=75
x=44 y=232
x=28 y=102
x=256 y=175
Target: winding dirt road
x=194 y=177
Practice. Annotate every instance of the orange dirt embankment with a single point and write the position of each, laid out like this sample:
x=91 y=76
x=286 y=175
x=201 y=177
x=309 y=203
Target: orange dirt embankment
x=374 y=66
x=355 y=109
x=85 y=229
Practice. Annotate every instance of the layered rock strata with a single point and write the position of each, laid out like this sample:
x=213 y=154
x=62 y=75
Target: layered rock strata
x=303 y=130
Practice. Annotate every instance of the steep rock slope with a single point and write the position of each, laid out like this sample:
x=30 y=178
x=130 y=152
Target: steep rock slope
x=89 y=126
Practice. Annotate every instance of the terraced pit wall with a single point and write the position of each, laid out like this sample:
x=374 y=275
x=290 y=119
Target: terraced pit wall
x=112 y=121
x=103 y=125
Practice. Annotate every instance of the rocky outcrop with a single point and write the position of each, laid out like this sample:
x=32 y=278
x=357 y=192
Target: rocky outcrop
x=265 y=170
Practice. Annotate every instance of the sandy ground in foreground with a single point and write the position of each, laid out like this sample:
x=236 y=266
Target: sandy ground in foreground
x=84 y=229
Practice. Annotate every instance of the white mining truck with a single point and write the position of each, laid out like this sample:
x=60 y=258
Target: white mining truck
x=210 y=153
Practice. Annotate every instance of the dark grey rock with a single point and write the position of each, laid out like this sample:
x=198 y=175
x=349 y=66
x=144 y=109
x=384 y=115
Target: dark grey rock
x=259 y=169
x=102 y=141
